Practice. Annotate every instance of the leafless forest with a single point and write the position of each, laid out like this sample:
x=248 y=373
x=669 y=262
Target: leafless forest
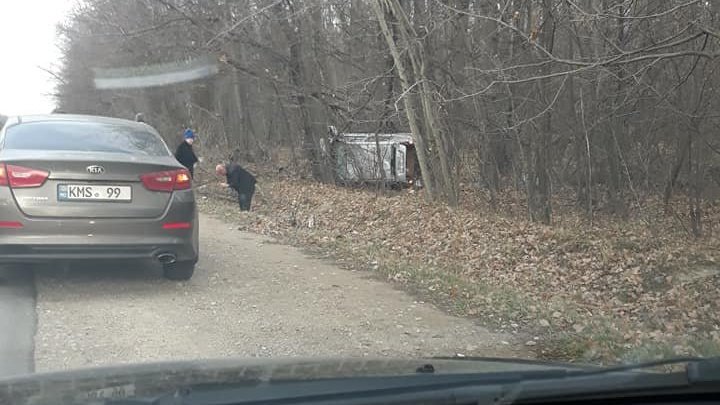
x=611 y=102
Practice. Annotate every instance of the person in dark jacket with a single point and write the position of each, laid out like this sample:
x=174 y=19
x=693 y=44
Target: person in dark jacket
x=239 y=180
x=185 y=154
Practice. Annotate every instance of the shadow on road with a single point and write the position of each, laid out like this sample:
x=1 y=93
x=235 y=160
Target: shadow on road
x=102 y=281
x=100 y=271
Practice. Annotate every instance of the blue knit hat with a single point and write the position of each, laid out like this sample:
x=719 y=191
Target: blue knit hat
x=189 y=134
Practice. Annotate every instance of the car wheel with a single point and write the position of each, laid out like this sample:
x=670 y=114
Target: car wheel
x=178 y=271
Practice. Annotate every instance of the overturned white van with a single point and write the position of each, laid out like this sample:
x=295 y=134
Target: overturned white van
x=371 y=158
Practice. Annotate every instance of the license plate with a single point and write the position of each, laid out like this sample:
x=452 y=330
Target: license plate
x=95 y=192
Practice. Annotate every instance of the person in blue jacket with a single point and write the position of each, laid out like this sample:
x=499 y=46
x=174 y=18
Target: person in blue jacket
x=185 y=153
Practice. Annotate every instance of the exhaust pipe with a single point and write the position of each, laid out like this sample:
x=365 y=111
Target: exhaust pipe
x=166 y=258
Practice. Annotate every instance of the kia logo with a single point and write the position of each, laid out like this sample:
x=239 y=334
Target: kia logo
x=96 y=169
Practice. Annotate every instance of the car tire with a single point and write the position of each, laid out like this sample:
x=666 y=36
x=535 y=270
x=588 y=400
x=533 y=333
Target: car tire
x=178 y=271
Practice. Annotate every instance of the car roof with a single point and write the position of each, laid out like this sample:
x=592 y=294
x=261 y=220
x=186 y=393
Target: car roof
x=21 y=119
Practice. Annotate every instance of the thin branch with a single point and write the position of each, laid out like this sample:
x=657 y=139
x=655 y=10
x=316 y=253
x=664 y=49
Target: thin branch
x=544 y=111
x=242 y=20
x=654 y=57
x=669 y=55
x=129 y=34
x=404 y=93
x=618 y=59
x=502 y=24
x=642 y=17
x=53 y=74
x=710 y=32
x=188 y=17
x=611 y=59
x=520 y=81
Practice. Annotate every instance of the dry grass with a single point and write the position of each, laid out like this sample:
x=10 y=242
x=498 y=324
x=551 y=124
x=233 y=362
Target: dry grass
x=596 y=292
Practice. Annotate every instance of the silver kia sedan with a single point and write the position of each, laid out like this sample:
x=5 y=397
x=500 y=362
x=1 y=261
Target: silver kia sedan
x=76 y=188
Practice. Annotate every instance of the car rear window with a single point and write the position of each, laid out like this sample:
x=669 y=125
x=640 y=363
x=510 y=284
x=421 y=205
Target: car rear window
x=85 y=137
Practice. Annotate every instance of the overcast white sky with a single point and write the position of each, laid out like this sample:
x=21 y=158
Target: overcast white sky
x=28 y=39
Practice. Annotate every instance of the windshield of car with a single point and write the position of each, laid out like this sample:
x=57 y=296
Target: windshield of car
x=83 y=136
x=531 y=180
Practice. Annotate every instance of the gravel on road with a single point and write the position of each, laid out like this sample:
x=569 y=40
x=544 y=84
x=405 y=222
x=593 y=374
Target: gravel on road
x=250 y=297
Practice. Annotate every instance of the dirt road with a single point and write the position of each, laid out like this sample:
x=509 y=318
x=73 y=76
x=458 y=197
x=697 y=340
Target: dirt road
x=249 y=297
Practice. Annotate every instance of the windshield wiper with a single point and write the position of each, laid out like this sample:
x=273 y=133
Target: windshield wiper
x=701 y=364
x=698 y=369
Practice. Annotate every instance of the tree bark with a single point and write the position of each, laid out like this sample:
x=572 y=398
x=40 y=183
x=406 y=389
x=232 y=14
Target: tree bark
x=540 y=184
x=413 y=121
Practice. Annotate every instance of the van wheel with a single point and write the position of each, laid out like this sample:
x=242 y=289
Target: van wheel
x=178 y=271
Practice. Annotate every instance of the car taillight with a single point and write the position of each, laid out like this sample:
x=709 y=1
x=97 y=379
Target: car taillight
x=183 y=181
x=167 y=180
x=177 y=225
x=22 y=177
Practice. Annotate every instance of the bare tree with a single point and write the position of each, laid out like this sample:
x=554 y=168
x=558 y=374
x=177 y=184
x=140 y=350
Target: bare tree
x=613 y=100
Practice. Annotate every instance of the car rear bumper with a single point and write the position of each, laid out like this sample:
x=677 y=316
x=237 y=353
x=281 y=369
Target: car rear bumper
x=77 y=239
x=58 y=252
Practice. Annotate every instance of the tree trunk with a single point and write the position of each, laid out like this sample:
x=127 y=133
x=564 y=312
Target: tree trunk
x=407 y=99
x=304 y=77
x=432 y=124
x=540 y=185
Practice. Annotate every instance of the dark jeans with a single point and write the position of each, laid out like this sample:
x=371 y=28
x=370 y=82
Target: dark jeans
x=245 y=197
